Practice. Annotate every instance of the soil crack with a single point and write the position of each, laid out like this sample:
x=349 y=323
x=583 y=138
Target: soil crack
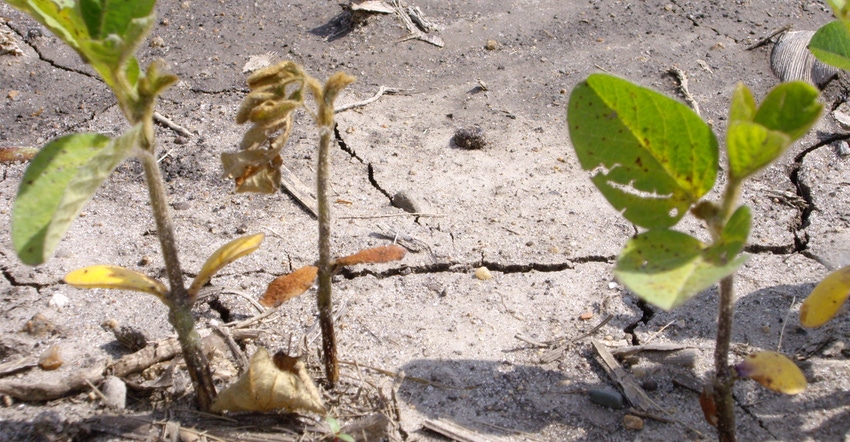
x=453 y=267
x=26 y=40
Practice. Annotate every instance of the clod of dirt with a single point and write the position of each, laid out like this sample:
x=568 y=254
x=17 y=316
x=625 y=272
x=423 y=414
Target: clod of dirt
x=406 y=202
x=491 y=45
x=471 y=138
x=483 y=273
x=632 y=422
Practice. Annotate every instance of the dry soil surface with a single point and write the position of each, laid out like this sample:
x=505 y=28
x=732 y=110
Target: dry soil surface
x=521 y=206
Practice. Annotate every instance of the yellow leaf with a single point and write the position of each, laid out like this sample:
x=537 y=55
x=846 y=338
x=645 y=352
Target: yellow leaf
x=286 y=287
x=115 y=277
x=282 y=383
x=826 y=299
x=226 y=254
x=774 y=371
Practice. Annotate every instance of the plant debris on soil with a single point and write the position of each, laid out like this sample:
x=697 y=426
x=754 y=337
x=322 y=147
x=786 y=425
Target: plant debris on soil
x=430 y=349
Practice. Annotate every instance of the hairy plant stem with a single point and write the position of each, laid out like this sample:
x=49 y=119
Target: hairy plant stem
x=724 y=377
x=179 y=302
x=326 y=319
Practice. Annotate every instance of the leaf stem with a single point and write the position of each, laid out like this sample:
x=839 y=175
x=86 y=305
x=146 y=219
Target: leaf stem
x=178 y=300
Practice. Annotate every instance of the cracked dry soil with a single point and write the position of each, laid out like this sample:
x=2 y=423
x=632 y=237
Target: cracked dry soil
x=521 y=206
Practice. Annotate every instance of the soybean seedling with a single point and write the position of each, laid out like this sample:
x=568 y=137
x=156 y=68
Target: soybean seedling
x=66 y=172
x=654 y=160
x=276 y=92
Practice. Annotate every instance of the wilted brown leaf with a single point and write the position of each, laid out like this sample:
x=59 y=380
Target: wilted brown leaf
x=375 y=255
x=286 y=287
x=266 y=387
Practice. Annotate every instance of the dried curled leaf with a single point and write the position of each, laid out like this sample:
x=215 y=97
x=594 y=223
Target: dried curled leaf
x=115 y=277
x=267 y=387
x=774 y=371
x=376 y=255
x=226 y=254
x=826 y=299
x=709 y=408
x=286 y=287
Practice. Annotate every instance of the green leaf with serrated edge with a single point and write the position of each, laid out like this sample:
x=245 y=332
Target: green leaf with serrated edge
x=743 y=105
x=791 y=108
x=666 y=268
x=826 y=299
x=57 y=184
x=831 y=45
x=225 y=254
x=751 y=147
x=652 y=157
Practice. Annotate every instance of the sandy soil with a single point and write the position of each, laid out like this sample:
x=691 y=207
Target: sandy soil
x=520 y=206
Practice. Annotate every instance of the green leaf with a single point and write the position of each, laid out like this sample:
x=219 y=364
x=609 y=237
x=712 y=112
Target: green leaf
x=791 y=108
x=58 y=183
x=774 y=371
x=756 y=137
x=826 y=299
x=666 y=267
x=105 y=33
x=743 y=106
x=831 y=45
x=652 y=157
x=751 y=147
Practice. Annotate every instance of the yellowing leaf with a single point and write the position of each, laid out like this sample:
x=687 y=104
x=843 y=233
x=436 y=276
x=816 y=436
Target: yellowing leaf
x=774 y=371
x=268 y=386
x=826 y=299
x=374 y=255
x=226 y=254
x=115 y=277
x=286 y=287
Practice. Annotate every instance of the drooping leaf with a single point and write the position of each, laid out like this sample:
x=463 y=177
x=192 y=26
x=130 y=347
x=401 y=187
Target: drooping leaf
x=374 y=255
x=267 y=386
x=774 y=371
x=831 y=45
x=651 y=156
x=826 y=299
x=226 y=254
x=253 y=170
x=666 y=267
x=286 y=287
x=57 y=184
x=115 y=277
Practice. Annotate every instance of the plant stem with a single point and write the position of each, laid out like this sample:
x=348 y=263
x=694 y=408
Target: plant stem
x=724 y=378
x=326 y=319
x=180 y=304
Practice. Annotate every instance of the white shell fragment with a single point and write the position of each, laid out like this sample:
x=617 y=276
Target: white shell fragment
x=58 y=301
x=792 y=60
x=372 y=6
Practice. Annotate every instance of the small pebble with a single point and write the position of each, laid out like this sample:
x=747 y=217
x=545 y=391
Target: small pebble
x=7 y=400
x=145 y=261
x=585 y=316
x=182 y=205
x=632 y=422
x=405 y=202
x=843 y=148
x=471 y=138
x=51 y=359
x=607 y=398
x=649 y=385
x=58 y=300
x=612 y=285
x=491 y=45
x=483 y=273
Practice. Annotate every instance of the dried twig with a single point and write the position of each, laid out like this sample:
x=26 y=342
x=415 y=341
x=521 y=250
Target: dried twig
x=784 y=322
x=159 y=118
x=452 y=430
x=765 y=40
x=241 y=359
x=680 y=76
x=557 y=352
x=381 y=91
x=53 y=388
x=634 y=393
